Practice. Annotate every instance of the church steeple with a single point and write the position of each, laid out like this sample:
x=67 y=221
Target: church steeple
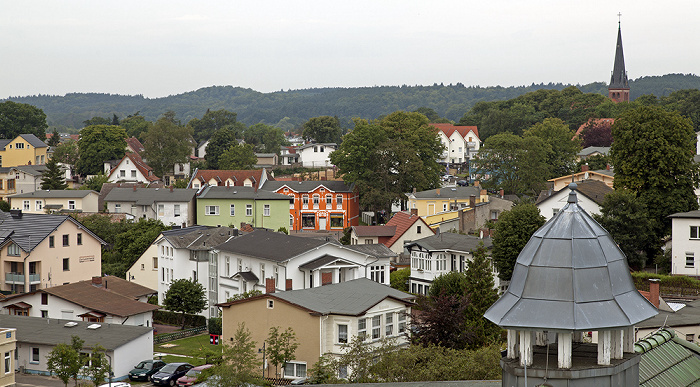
x=619 y=89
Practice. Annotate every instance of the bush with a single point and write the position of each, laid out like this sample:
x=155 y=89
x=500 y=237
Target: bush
x=171 y=318
x=215 y=326
x=669 y=284
x=399 y=279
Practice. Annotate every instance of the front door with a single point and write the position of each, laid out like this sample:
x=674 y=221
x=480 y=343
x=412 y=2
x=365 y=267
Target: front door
x=321 y=223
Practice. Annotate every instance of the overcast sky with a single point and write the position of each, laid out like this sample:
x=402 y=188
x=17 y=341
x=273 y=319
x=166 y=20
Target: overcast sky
x=159 y=48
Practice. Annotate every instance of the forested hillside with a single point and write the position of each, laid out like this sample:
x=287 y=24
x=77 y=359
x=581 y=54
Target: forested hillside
x=290 y=109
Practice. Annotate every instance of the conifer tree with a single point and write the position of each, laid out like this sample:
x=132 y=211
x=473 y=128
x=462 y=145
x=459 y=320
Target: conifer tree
x=53 y=177
x=482 y=294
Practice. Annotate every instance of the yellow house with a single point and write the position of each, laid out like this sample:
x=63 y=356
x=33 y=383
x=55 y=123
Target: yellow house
x=55 y=201
x=8 y=346
x=25 y=149
x=445 y=199
x=607 y=176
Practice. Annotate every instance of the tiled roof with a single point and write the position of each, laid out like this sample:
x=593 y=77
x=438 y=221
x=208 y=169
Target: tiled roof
x=403 y=221
x=126 y=288
x=141 y=165
x=449 y=129
x=33 y=140
x=593 y=121
x=376 y=250
x=451 y=241
x=239 y=192
x=667 y=360
x=34 y=170
x=237 y=176
x=31 y=229
x=135 y=144
x=457 y=192
x=148 y=196
x=309 y=185
x=270 y=245
x=56 y=193
x=378 y=231
x=592 y=189
x=200 y=239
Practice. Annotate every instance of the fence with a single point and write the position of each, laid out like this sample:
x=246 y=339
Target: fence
x=165 y=337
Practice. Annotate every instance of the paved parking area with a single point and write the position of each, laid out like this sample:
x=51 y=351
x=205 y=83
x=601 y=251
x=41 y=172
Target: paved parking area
x=27 y=380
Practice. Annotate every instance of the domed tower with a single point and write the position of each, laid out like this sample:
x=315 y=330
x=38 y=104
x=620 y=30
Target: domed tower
x=571 y=279
x=619 y=88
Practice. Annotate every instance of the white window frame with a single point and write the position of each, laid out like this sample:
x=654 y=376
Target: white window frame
x=266 y=210
x=161 y=210
x=176 y=210
x=232 y=210
x=342 y=333
x=694 y=232
x=298 y=368
x=362 y=328
x=211 y=210
x=248 y=210
x=38 y=205
x=117 y=208
x=25 y=205
x=689 y=259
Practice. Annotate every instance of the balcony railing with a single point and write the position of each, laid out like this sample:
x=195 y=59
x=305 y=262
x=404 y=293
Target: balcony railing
x=16 y=278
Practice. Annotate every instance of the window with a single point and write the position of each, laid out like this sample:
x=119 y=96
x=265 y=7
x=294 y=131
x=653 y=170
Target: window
x=276 y=270
x=71 y=204
x=176 y=210
x=362 y=328
x=194 y=275
x=240 y=265
x=444 y=207
x=369 y=241
x=266 y=210
x=337 y=220
x=291 y=201
x=248 y=210
x=155 y=262
x=689 y=259
x=690 y=337
x=342 y=334
x=343 y=372
x=133 y=174
x=44 y=298
x=694 y=232
x=305 y=201
x=66 y=264
x=270 y=304
x=66 y=240
x=211 y=210
x=122 y=173
x=389 y=324
x=308 y=221
x=51 y=242
x=232 y=210
x=329 y=201
x=339 y=201
x=38 y=205
x=376 y=327
x=79 y=240
x=10 y=184
x=13 y=249
x=161 y=210
x=262 y=272
x=377 y=274
x=25 y=205
x=35 y=356
x=292 y=369
x=44 y=314
x=291 y=221
x=117 y=207
x=418 y=229
x=402 y=322
x=317 y=199
x=20 y=145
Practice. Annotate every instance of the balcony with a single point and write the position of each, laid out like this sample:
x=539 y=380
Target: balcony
x=16 y=278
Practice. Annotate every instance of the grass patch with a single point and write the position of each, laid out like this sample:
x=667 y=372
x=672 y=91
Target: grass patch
x=189 y=346
x=179 y=359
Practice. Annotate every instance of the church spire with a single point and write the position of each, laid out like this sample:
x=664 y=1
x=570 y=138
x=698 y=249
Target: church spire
x=619 y=88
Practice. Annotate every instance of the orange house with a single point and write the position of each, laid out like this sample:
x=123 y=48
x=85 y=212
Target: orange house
x=319 y=205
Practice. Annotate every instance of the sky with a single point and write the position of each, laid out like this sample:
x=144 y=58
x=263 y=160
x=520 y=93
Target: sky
x=164 y=47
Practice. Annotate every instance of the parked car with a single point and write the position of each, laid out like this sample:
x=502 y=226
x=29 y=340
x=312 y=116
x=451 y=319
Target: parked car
x=462 y=183
x=144 y=370
x=116 y=384
x=170 y=373
x=191 y=376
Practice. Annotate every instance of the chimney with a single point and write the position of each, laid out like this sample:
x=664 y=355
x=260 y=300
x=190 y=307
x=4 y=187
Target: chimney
x=437 y=191
x=414 y=189
x=472 y=201
x=476 y=183
x=654 y=291
x=414 y=211
x=269 y=285
x=171 y=188
x=16 y=214
x=134 y=188
x=584 y=168
x=502 y=193
x=97 y=281
x=288 y=284
x=607 y=167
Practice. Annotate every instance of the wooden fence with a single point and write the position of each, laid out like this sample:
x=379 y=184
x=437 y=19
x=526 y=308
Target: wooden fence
x=165 y=337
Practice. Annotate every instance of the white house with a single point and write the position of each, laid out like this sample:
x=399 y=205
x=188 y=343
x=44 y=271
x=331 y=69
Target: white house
x=685 y=243
x=172 y=206
x=316 y=155
x=27 y=177
x=461 y=142
x=592 y=193
x=131 y=168
x=288 y=155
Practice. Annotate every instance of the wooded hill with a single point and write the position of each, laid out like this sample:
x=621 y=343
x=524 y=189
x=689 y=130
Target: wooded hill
x=289 y=109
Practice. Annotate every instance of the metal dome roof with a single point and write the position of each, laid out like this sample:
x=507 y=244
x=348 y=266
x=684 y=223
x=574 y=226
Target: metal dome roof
x=571 y=276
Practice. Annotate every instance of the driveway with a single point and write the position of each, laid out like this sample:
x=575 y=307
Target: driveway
x=26 y=380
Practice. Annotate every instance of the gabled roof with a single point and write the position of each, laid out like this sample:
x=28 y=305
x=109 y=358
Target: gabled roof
x=238 y=176
x=592 y=189
x=148 y=196
x=449 y=129
x=29 y=230
x=28 y=137
x=141 y=165
x=604 y=150
x=56 y=193
x=451 y=241
x=270 y=245
x=667 y=360
x=457 y=192
x=34 y=170
x=201 y=239
x=135 y=145
x=349 y=298
x=689 y=214
x=239 y=192
x=334 y=186
x=374 y=231
x=126 y=288
x=403 y=221
x=377 y=250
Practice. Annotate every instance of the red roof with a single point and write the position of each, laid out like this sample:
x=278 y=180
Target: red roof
x=135 y=145
x=237 y=176
x=138 y=162
x=403 y=221
x=378 y=231
x=592 y=121
x=448 y=129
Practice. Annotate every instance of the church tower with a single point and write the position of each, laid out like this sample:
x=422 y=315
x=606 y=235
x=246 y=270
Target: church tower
x=619 y=89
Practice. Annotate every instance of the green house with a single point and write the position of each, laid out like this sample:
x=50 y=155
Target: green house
x=231 y=206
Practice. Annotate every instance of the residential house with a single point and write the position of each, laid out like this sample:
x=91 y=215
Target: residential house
x=324 y=319
x=8 y=348
x=229 y=178
x=401 y=228
x=316 y=155
x=318 y=205
x=440 y=254
x=288 y=155
x=447 y=199
x=368 y=235
x=607 y=176
x=40 y=251
x=90 y=301
x=27 y=178
x=685 y=243
x=461 y=142
x=25 y=149
x=187 y=256
x=246 y=262
x=592 y=195
x=266 y=159
x=233 y=205
x=55 y=201
x=172 y=206
x=201 y=149
x=131 y=168
x=473 y=218
x=133 y=145
x=125 y=345
x=145 y=271
x=591 y=151
x=179 y=171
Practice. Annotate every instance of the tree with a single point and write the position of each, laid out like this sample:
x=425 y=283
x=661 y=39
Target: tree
x=513 y=230
x=97 y=144
x=55 y=139
x=482 y=294
x=211 y=122
x=265 y=138
x=95 y=182
x=452 y=283
x=281 y=346
x=76 y=344
x=562 y=150
x=653 y=152
x=627 y=220
x=239 y=365
x=597 y=133
x=441 y=320
x=97 y=121
x=99 y=368
x=347 y=234
x=399 y=279
x=135 y=125
x=239 y=156
x=53 y=177
x=512 y=163
x=595 y=162
x=63 y=361
x=66 y=153
x=185 y=296
x=167 y=143
x=432 y=115
x=19 y=118
x=323 y=129
x=219 y=142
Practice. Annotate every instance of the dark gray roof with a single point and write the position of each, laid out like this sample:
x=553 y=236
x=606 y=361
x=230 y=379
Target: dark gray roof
x=593 y=149
x=689 y=214
x=618 y=79
x=147 y=196
x=3 y=143
x=31 y=169
x=607 y=172
x=457 y=192
x=31 y=229
x=377 y=250
x=33 y=140
x=200 y=239
x=185 y=230
x=308 y=186
x=450 y=241
x=351 y=298
x=687 y=315
x=319 y=262
x=571 y=275
x=249 y=276
x=239 y=192
x=37 y=330
x=270 y=245
x=56 y=193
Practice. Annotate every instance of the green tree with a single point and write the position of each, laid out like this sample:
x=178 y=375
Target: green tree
x=185 y=296
x=97 y=144
x=653 y=152
x=97 y=121
x=211 y=122
x=595 y=162
x=432 y=115
x=95 y=182
x=66 y=153
x=54 y=140
x=4 y=206
x=452 y=283
x=135 y=125
x=513 y=230
x=167 y=143
x=76 y=344
x=239 y=156
x=345 y=239
x=99 y=368
x=53 y=177
x=324 y=371
x=219 y=142
x=323 y=129
x=19 y=118
x=627 y=220
x=441 y=320
x=561 y=156
x=482 y=294
x=281 y=347
x=63 y=361
x=240 y=365
x=265 y=138
x=399 y=279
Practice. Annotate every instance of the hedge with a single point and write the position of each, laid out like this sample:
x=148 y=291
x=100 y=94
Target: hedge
x=171 y=318
x=670 y=285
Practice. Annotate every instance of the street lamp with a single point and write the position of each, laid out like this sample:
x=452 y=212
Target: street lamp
x=262 y=350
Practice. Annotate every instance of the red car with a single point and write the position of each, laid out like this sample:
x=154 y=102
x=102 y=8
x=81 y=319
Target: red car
x=191 y=376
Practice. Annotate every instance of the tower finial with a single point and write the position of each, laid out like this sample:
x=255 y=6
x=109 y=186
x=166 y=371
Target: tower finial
x=619 y=15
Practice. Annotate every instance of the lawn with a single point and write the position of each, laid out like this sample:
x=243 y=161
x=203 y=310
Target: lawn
x=189 y=346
